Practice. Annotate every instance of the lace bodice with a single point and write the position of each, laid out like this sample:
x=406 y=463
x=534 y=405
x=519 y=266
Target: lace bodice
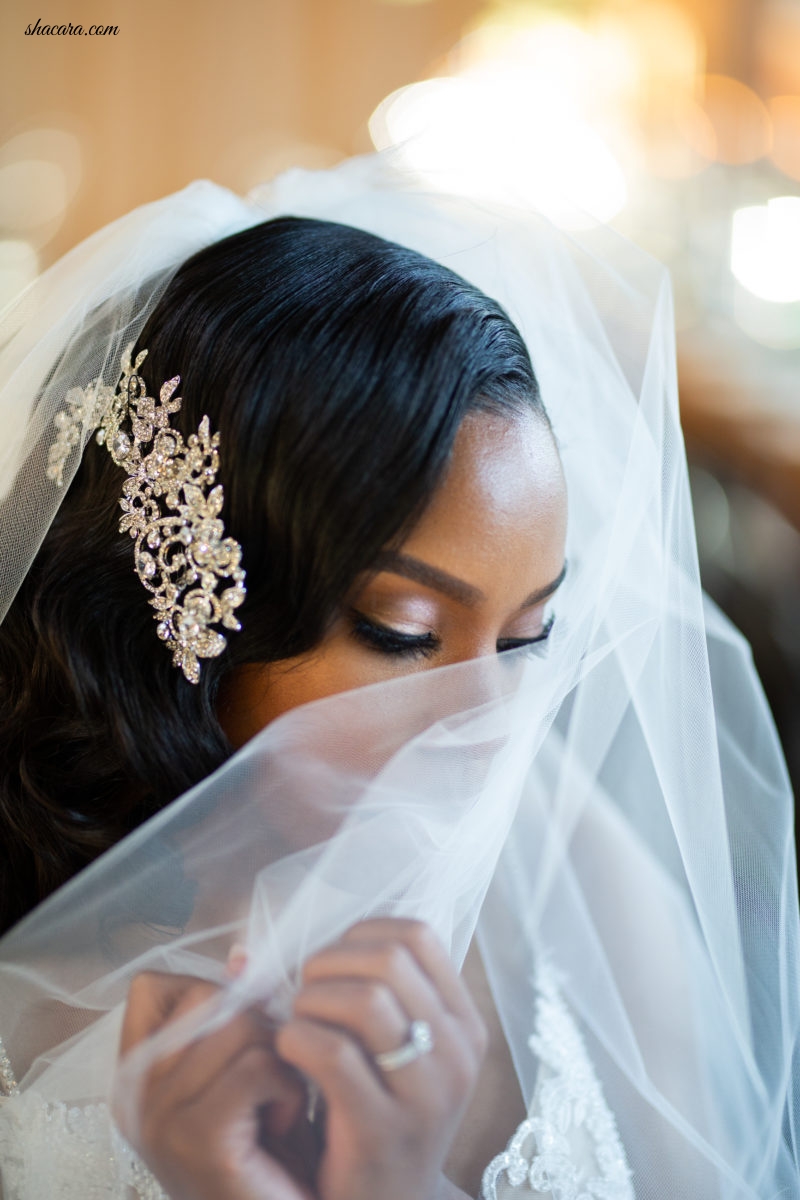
x=568 y=1147
x=55 y=1152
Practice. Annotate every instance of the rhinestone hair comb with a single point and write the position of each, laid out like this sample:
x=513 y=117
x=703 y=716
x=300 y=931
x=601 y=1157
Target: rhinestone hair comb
x=170 y=505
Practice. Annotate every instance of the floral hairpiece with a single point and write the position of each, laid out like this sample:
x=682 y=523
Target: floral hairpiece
x=167 y=505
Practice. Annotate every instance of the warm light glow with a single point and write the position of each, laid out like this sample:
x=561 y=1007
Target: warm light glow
x=785 y=113
x=667 y=46
x=495 y=134
x=19 y=266
x=740 y=120
x=32 y=193
x=251 y=158
x=679 y=140
x=40 y=173
x=777 y=45
x=562 y=58
x=566 y=113
x=48 y=145
x=519 y=120
x=765 y=249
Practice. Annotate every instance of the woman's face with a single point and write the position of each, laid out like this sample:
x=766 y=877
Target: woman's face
x=473 y=578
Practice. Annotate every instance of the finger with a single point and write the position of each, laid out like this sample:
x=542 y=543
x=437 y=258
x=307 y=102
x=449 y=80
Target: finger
x=427 y=950
x=191 y=1070
x=336 y=1063
x=387 y=962
x=237 y=960
x=220 y=1133
x=157 y=1000
x=286 y=1160
x=189 y=1087
x=253 y=1079
x=392 y=963
x=152 y=1000
x=369 y=1012
x=365 y=1008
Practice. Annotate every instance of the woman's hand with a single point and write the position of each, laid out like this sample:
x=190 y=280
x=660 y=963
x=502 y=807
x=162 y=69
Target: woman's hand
x=387 y=1133
x=225 y=1118
x=222 y=1119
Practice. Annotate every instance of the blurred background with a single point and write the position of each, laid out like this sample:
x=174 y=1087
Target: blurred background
x=678 y=121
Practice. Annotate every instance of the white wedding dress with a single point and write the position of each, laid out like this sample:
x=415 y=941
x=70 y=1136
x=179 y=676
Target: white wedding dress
x=567 y=1148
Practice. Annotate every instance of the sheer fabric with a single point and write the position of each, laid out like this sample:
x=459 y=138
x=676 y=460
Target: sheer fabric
x=610 y=817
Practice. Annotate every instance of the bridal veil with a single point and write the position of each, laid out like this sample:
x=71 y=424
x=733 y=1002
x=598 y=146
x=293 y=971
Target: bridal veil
x=610 y=816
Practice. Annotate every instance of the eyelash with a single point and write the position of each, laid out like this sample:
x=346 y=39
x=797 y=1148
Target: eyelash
x=530 y=644
x=389 y=641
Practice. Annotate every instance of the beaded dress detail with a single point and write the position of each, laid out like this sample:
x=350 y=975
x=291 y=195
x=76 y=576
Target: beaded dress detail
x=55 y=1151
x=568 y=1148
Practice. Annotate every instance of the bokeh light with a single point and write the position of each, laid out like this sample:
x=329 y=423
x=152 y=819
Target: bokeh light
x=765 y=261
x=785 y=154
x=40 y=173
x=481 y=135
x=518 y=118
x=33 y=193
x=739 y=118
x=765 y=249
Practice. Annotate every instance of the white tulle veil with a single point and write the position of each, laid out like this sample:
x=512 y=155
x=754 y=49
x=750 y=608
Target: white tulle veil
x=614 y=809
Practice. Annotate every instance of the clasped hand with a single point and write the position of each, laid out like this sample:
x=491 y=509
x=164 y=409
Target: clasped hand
x=226 y=1118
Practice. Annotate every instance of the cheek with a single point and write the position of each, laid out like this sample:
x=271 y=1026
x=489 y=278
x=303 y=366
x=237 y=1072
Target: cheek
x=256 y=694
x=290 y=684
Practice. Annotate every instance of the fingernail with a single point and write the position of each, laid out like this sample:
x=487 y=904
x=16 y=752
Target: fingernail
x=237 y=959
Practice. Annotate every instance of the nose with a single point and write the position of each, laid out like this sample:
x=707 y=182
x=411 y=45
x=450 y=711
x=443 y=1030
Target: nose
x=469 y=644
x=484 y=675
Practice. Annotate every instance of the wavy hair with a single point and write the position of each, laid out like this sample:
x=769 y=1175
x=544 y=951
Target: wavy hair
x=337 y=368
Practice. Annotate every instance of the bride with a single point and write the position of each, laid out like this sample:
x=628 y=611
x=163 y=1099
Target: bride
x=390 y=712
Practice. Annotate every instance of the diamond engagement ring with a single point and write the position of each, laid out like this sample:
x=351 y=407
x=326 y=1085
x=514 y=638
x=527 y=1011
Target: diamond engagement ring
x=420 y=1041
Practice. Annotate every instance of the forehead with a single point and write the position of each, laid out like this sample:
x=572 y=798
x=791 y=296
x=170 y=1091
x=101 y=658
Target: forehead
x=498 y=519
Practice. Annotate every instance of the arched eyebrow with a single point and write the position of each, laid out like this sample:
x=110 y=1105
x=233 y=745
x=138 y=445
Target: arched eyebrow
x=457 y=589
x=545 y=592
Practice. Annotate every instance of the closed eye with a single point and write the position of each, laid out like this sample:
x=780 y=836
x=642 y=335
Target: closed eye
x=390 y=641
x=517 y=643
x=386 y=640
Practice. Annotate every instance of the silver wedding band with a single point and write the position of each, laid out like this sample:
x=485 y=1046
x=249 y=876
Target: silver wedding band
x=420 y=1041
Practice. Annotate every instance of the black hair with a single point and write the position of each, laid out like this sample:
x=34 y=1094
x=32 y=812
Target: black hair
x=337 y=368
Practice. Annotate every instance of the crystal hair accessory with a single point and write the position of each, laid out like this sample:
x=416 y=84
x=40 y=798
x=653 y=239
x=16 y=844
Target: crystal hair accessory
x=170 y=506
